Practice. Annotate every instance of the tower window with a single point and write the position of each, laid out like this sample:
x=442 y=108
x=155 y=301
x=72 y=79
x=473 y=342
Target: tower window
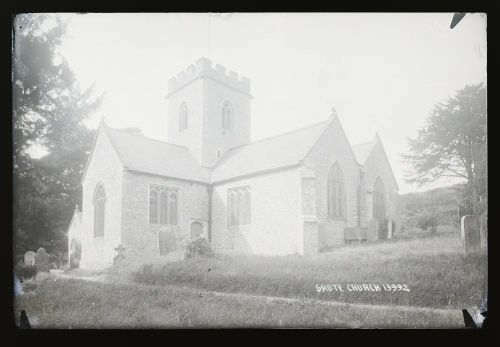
x=227 y=116
x=183 y=117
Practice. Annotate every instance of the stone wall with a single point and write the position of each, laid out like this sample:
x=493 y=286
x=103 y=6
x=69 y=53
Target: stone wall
x=375 y=166
x=275 y=227
x=332 y=147
x=204 y=89
x=104 y=168
x=141 y=239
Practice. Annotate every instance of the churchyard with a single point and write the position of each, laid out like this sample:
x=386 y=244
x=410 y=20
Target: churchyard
x=433 y=280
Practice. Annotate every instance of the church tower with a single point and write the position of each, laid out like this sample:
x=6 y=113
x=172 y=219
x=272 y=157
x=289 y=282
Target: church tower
x=208 y=110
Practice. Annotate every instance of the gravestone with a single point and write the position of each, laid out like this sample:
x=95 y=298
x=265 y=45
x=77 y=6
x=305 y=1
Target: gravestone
x=390 y=225
x=29 y=258
x=372 y=232
x=42 y=260
x=470 y=233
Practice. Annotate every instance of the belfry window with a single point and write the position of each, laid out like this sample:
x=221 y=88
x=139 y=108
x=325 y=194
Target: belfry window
x=227 y=117
x=183 y=117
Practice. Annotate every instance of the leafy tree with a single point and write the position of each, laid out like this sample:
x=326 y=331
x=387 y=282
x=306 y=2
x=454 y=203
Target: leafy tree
x=48 y=111
x=453 y=144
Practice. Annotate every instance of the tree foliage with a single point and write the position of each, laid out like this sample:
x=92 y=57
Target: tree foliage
x=48 y=112
x=453 y=144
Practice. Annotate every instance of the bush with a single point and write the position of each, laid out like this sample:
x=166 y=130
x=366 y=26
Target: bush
x=198 y=247
x=27 y=271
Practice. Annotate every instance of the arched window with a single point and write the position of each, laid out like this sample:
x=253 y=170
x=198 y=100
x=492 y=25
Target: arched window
x=227 y=116
x=379 y=199
x=183 y=117
x=173 y=208
x=164 y=207
x=232 y=208
x=247 y=206
x=336 y=193
x=153 y=206
x=238 y=206
x=99 y=211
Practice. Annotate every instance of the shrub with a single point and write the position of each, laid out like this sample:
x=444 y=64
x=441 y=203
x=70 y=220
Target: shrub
x=198 y=247
x=27 y=271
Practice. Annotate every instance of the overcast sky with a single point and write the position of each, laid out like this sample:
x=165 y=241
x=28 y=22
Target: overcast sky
x=381 y=72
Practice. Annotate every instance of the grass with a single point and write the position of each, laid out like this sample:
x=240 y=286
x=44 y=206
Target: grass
x=434 y=268
x=169 y=292
x=72 y=303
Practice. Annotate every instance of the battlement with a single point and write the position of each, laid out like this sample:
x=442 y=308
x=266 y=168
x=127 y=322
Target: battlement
x=205 y=69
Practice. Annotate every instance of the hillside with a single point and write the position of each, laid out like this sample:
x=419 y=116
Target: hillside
x=440 y=206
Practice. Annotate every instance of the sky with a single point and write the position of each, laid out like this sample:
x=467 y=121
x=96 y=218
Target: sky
x=381 y=72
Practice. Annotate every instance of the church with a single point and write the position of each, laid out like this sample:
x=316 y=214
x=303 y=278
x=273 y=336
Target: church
x=302 y=192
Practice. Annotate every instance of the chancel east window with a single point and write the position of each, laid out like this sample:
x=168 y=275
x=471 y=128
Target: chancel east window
x=227 y=116
x=163 y=205
x=99 y=211
x=239 y=206
x=336 y=193
x=379 y=211
x=183 y=117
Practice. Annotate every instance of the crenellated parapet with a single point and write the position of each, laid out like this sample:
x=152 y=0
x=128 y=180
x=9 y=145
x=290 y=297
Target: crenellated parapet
x=205 y=69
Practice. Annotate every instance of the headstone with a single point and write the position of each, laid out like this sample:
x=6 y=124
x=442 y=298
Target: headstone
x=42 y=260
x=29 y=258
x=120 y=253
x=470 y=233
x=372 y=233
x=389 y=228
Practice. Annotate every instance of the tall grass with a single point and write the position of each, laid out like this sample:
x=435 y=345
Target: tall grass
x=434 y=268
x=71 y=303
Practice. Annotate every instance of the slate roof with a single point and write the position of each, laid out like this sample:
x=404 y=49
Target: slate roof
x=152 y=156
x=268 y=154
x=143 y=154
x=363 y=150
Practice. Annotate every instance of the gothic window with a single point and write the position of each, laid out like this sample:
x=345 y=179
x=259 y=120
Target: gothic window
x=153 y=206
x=379 y=211
x=173 y=208
x=183 y=117
x=239 y=206
x=336 y=193
x=163 y=205
x=227 y=116
x=99 y=211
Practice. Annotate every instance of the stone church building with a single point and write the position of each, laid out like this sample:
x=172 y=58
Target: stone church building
x=301 y=192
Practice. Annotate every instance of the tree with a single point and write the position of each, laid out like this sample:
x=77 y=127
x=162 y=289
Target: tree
x=48 y=111
x=453 y=144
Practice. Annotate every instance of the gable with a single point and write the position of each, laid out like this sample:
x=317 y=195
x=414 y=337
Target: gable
x=272 y=153
x=378 y=161
x=102 y=149
x=146 y=155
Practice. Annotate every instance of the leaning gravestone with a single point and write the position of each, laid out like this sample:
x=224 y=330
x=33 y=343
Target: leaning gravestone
x=29 y=258
x=42 y=260
x=470 y=233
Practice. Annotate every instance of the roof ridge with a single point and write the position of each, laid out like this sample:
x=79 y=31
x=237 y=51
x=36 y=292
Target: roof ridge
x=282 y=134
x=145 y=137
x=363 y=143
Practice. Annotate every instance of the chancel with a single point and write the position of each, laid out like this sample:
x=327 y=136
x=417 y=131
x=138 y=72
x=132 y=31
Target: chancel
x=301 y=192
